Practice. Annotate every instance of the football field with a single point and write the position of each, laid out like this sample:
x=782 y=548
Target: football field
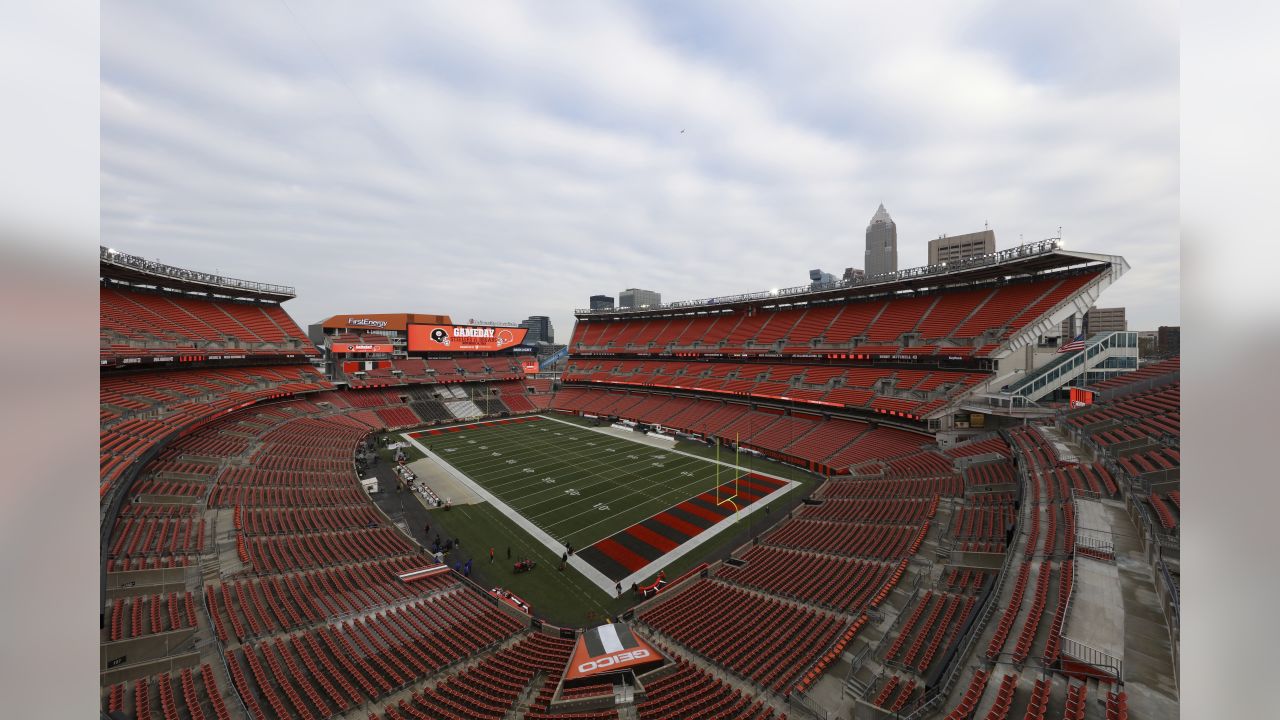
x=620 y=502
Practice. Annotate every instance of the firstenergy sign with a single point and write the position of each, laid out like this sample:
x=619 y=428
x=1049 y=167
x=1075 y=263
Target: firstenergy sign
x=463 y=338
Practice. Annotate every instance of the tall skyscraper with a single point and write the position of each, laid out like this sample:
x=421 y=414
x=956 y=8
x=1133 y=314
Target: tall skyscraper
x=962 y=247
x=882 y=244
x=601 y=302
x=635 y=297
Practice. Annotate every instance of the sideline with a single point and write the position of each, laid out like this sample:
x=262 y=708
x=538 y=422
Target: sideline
x=588 y=570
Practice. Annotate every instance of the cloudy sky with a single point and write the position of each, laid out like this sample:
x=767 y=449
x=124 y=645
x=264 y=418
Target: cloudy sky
x=498 y=160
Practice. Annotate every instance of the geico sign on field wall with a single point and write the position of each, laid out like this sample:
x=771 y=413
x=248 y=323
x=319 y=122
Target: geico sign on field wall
x=463 y=338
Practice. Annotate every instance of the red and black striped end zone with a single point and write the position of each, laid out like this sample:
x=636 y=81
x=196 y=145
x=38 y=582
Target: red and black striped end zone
x=626 y=551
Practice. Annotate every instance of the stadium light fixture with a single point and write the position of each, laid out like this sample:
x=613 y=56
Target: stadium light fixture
x=774 y=291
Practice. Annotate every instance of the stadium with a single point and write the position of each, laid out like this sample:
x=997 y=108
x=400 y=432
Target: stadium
x=885 y=497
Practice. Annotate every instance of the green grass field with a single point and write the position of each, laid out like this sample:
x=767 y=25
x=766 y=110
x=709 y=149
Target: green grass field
x=576 y=484
x=588 y=461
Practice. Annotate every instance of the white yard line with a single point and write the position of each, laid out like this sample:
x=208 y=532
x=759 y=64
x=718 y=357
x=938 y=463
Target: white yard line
x=672 y=450
x=582 y=566
x=707 y=535
x=588 y=571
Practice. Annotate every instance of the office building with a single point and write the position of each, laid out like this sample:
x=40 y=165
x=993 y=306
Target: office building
x=1097 y=320
x=961 y=247
x=1148 y=343
x=540 y=330
x=601 y=302
x=636 y=298
x=1168 y=339
x=817 y=278
x=881 y=255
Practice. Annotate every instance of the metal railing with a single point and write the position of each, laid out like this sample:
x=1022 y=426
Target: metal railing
x=112 y=256
x=966 y=646
x=1093 y=656
x=1071 y=363
x=1041 y=247
x=1174 y=593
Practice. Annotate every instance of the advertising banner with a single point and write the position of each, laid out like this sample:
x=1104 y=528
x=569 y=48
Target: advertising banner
x=610 y=648
x=1081 y=398
x=346 y=347
x=463 y=338
x=530 y=365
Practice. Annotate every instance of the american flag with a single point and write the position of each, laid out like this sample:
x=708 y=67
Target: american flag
x=1077 y=344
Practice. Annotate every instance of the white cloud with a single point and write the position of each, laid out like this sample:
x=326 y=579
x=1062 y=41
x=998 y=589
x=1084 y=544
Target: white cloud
x=505 y=161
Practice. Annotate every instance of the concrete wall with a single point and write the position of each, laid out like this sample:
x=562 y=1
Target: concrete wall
x=141 y=655
x=976 y=560
x=133 y=583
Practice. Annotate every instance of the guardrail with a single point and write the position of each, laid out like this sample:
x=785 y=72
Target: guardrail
x=1093 y=656
x=926 y=706
x=1041 y=247
x=112 y=256
x=1071 y=363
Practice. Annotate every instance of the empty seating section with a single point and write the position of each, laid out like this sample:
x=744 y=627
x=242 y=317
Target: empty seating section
x=1153 y=414
x=1093 y=477
x=1038 y=454
x=150 y=614
x=840 y=385
x=932 y=626
x=984 y=517
x=1011 y=611
x=319 y=551
x=881 y=542
x=892 y=488
x=280 y=554
x=690 y=693
x=839 y=583
x=1146 y=372
x=833 y=443
x=133 y=537
x=993 y=445
x=907 y=511
x=767 y=641
x=1137 y=434
x=972 y=696
x=952 y=320
x=398 y=417
x=899 y=316
x=950 y=310
x=363 y=659
x=493 y=687
x=137 y=323
x=190 y=692
x=138 y=410
x=895 y=693
x=1040 y=699
x=996 y=473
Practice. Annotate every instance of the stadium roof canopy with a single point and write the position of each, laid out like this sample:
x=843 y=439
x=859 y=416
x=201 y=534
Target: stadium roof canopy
x=134 y=270
x=1045 y=256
